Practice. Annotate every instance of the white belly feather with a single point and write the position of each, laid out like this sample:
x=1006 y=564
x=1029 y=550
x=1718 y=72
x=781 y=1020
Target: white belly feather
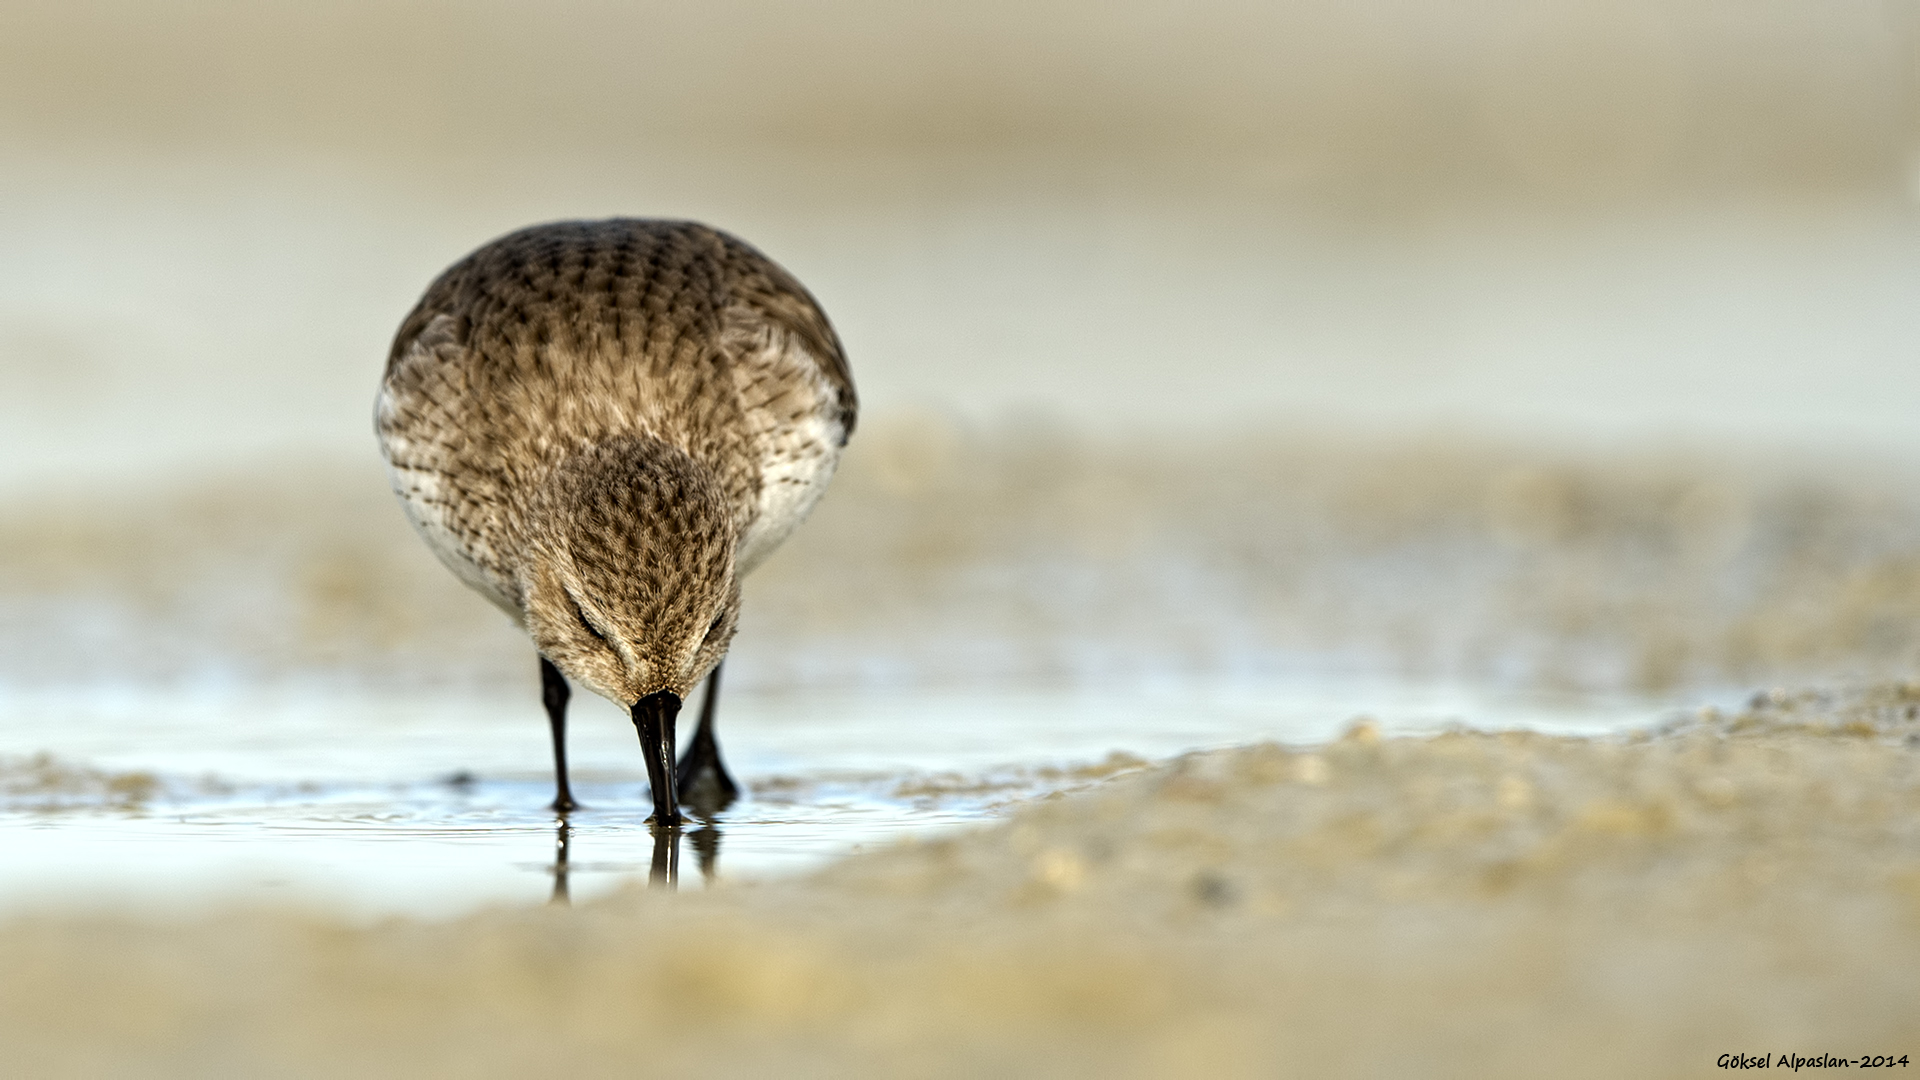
x=798 y=435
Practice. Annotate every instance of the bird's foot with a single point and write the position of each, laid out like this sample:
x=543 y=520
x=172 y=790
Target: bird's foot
x=708 y=793
x=705 y=786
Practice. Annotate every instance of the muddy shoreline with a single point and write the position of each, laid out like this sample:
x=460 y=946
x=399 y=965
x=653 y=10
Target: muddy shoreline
x=1461 y=904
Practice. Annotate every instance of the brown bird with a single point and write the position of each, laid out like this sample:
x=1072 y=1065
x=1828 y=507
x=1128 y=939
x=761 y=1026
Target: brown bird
x=601 y=426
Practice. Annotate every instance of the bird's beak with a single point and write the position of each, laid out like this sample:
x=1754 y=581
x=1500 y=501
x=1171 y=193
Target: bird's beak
x=654 y=715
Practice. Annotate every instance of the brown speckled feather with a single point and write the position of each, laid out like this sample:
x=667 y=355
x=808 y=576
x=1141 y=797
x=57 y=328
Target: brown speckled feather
x=659 y=339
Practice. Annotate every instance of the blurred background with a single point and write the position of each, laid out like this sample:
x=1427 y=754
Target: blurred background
x=1568 y=346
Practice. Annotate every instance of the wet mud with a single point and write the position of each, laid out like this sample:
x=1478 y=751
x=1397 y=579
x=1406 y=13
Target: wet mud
x=1463 y=904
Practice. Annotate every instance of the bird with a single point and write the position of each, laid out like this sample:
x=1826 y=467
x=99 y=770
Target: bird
x=601 y=427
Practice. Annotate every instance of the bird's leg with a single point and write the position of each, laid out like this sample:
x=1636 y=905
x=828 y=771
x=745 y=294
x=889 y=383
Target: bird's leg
x=704 y=782
x=553 y=691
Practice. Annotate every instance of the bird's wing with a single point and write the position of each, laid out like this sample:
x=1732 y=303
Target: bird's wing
x=762 y=286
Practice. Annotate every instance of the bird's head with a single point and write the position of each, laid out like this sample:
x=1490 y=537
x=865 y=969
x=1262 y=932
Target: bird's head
x=631 y=589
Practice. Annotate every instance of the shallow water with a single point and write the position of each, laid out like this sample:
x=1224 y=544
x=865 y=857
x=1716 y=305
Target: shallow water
x=380 y=804
x=1739 y=879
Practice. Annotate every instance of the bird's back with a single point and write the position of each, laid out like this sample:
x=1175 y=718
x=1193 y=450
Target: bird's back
x=562 y=336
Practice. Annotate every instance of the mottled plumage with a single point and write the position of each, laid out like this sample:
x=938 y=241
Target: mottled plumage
x=601 y=425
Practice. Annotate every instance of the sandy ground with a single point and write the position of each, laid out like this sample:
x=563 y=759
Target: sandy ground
x=1458 y=905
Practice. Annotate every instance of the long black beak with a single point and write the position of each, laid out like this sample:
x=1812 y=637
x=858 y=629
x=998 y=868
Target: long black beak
x=654 y=716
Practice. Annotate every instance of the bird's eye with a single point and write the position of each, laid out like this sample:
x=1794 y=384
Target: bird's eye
x=581 y=616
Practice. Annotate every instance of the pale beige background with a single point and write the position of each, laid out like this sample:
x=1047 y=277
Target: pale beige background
x=1585 y=219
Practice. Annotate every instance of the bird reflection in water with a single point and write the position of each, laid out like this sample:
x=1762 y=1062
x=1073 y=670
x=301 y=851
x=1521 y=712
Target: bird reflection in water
x=562 y=843
x=663 y=872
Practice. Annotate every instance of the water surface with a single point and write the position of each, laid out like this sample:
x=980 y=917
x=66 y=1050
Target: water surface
x=435 y=805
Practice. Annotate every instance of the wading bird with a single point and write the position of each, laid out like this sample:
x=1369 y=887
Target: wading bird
x=601 y=426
